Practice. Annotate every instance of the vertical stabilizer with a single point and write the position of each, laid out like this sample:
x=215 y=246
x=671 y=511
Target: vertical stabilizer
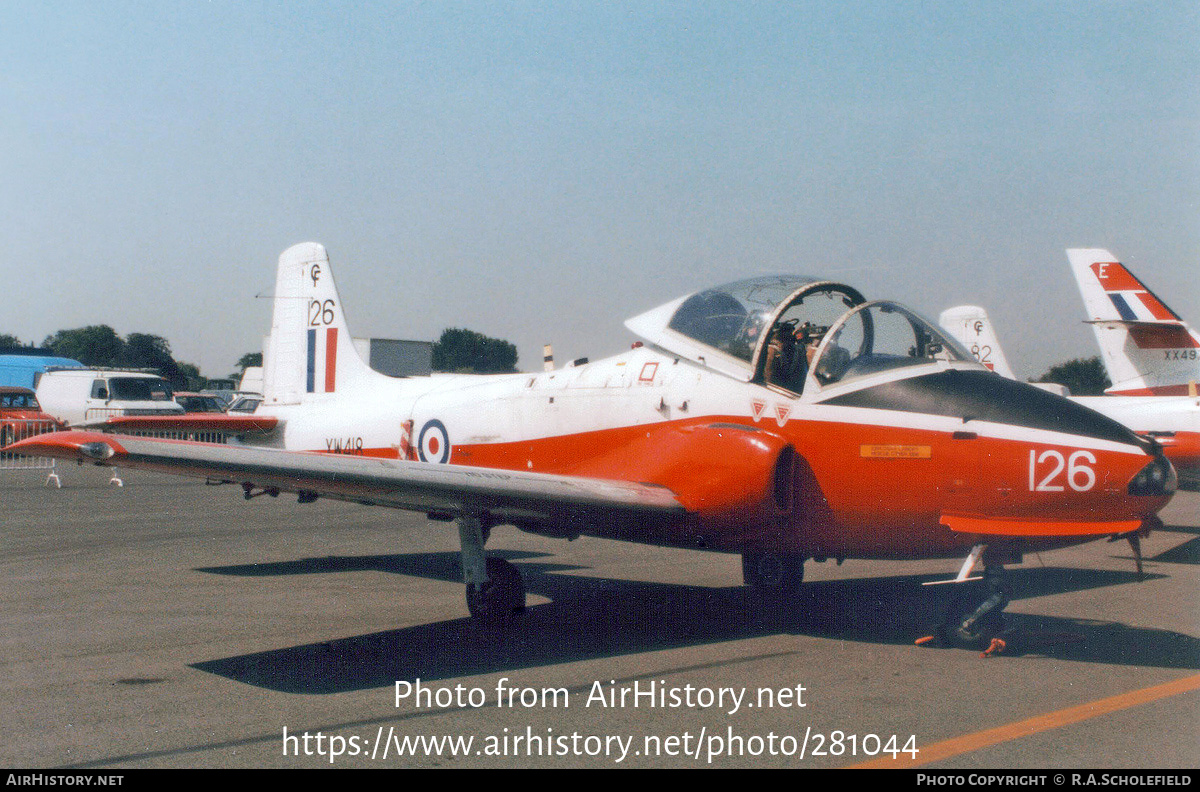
x=310 y=355
x=970 y=325
x=1146 y=347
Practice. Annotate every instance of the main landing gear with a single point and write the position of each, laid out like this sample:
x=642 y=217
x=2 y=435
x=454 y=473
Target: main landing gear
x=495 y=590
x=980 y=627
x=774 y=579
x=773 y=572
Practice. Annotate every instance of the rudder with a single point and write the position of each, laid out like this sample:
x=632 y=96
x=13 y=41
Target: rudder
x=309 y=354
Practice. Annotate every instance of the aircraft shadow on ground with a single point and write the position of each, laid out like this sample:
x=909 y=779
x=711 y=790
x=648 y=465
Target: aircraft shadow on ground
x=591 y=618
x=1184 y=529
x=1186 y=553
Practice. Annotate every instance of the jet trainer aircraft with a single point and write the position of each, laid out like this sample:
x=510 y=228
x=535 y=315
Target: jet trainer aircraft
x=1147 y=350
x=781 y=418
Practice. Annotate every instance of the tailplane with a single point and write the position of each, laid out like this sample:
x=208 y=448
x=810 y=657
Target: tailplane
x=309 y=354
x=1146 y=347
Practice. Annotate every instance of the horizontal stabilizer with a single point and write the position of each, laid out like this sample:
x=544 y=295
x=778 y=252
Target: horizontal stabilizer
x=199 y=422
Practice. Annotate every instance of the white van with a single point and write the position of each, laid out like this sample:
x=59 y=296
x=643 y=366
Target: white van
x=85 y=396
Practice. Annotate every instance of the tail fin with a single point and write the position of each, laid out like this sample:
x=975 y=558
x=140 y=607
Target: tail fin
x=1146 y=347
x=969 y=324
x=309 y=354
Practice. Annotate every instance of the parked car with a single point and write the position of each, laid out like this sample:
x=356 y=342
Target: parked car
x=199 y=402
x=21 y=416
x=225 y=397
x=247 y=403
x=84 y=396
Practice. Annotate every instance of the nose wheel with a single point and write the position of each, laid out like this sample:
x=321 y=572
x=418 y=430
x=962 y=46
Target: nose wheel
x=978 y=627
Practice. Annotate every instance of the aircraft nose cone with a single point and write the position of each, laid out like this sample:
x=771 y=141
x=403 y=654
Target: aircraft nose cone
x=1157 y=478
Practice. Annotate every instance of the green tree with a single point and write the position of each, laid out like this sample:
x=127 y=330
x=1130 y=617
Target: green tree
x=7 y=340
x=1083 y=376
x=143 y=350
x=249 y=359
x=190 y=376
x=95 y=345
x=467 y=352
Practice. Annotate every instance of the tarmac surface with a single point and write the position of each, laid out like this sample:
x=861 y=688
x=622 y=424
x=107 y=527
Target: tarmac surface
x=170 y=624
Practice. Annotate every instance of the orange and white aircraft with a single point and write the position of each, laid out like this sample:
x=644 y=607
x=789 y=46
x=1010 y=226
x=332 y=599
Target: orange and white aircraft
x=781 y=418
x=1173 y=422
x=1147 y=349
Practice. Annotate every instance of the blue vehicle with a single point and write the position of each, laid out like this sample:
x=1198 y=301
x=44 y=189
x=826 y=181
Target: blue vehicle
x=24 y=371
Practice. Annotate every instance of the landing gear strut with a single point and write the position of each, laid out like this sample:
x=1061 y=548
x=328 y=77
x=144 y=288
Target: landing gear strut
x=986 y=621
x=978 y=627
x=495 y=591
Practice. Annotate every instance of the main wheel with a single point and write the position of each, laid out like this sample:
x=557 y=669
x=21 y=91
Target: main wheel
x=501 y=597
x=773 y=571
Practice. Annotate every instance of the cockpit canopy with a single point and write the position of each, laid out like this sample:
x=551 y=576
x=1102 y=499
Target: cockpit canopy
x=776 y=329
x=724 y=327
x=883 y=336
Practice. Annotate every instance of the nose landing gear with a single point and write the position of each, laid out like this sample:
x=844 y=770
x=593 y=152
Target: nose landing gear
x=979 y=627
x=986 y=622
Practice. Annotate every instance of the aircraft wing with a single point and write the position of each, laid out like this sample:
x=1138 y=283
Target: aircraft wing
x=191 y=423
x=437 y=489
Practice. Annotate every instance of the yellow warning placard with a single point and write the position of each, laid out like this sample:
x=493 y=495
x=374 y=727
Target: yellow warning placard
x=896 y=451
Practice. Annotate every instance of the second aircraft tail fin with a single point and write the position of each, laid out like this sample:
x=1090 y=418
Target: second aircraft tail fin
x=970 y=325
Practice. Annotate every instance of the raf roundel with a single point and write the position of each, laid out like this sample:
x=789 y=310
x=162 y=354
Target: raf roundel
x=433 y=445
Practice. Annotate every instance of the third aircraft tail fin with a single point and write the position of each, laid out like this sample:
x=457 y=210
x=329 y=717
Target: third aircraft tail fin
x=1146 y=347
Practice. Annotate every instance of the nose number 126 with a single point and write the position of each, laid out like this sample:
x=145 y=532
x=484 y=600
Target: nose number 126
x=1049 y=469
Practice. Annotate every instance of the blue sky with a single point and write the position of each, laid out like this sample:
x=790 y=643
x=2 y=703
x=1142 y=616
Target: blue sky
x=542 y=171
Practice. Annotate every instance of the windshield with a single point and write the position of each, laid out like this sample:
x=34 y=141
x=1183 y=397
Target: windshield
x=19 y=401
x=139 y=389
x=245 y=404
x=883 y=336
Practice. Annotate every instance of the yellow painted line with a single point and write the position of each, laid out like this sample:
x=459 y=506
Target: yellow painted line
x=1040 y=723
